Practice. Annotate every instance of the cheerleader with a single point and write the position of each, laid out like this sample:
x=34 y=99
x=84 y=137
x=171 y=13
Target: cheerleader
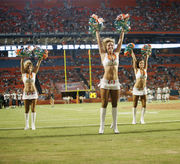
x=139 y=90
x=30 y=94
x=109 y=84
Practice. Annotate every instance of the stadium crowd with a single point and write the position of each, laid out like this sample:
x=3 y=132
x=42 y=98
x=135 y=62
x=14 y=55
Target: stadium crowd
x=146 y=15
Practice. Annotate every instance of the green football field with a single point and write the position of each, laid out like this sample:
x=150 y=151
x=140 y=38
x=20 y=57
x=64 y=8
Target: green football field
x=68 y=134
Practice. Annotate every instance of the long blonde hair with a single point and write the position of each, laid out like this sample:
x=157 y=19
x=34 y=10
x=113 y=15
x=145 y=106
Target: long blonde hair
x=106 y=41
x=25 y=65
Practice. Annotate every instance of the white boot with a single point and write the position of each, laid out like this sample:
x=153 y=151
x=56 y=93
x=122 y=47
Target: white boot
x=33 y=120
x=142 y=115
x=114 y=116
x=102 y=120
x=134 y=115
x=26 y=121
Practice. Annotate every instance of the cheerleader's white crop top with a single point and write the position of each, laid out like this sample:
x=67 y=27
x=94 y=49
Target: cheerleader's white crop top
x=29 y=78
x=139 y=75
x=108 y=62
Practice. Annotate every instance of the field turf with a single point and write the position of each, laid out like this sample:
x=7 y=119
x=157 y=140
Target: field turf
x=68 y=134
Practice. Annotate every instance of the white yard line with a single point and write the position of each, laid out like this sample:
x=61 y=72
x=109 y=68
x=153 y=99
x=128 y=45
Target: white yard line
x=71 y=119
x=88 y=125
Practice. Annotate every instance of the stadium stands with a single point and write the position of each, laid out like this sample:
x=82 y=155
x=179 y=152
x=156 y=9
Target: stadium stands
x=28 y=18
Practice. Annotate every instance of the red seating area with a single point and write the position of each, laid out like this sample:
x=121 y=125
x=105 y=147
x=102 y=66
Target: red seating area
x=11 y=79
x=72 y=16
x=21 y=4
x=122 y=3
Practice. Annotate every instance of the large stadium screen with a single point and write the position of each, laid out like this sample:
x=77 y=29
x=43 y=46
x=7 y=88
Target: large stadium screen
x=11 y=54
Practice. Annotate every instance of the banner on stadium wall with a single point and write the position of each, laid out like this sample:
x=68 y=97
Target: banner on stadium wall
x=70 y=86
